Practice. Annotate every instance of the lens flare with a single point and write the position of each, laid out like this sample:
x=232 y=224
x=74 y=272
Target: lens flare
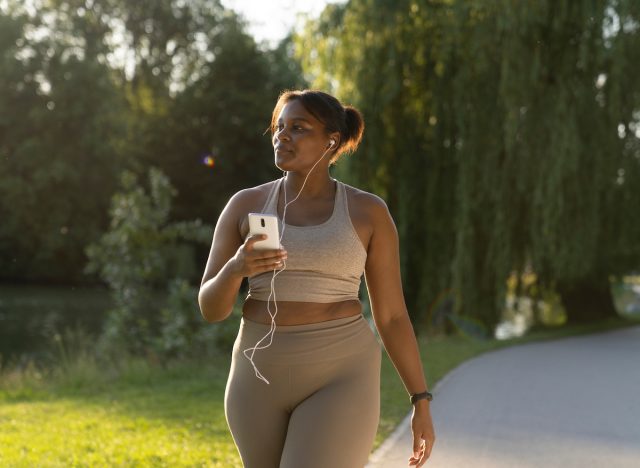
x=208 y=161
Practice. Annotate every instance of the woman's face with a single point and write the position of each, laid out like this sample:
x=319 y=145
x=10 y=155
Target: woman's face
x=299 y=140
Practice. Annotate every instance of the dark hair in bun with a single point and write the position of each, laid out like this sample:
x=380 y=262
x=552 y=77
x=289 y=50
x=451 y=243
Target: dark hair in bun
x=345 y=120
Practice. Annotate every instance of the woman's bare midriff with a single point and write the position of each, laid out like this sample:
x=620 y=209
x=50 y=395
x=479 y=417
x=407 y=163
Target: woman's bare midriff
x=300 y=313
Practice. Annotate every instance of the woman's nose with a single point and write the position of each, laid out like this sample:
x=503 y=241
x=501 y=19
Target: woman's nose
x=281 y=135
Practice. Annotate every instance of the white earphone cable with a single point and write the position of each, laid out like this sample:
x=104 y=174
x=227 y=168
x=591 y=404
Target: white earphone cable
x=276 y=272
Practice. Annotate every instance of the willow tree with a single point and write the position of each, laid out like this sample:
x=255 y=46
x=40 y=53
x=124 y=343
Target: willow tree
x=503 y=135
x=549 y=171
x=547 y=107
x=388 y=59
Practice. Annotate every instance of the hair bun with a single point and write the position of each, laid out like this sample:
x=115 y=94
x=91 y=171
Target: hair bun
x=346 y=120
x=355 y=128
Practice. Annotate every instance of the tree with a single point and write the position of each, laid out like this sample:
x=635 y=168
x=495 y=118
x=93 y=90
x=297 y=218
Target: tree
x=547 y=193
x=222 y=116
x=504 y=137
x=192 y=84
x=390 y=60
x=59 y=134
x=138 y=258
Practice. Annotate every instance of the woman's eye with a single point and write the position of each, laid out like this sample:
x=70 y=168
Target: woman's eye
x=296 y=128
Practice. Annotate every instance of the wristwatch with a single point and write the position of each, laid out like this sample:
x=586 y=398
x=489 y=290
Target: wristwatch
x=421 y=396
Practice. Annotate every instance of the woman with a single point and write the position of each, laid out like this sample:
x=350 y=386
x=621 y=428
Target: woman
x=307 y=393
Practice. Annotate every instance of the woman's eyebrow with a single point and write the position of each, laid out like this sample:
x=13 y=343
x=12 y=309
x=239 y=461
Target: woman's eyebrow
x=292 y=119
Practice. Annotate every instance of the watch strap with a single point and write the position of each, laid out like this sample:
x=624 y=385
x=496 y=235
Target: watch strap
x=421 y=396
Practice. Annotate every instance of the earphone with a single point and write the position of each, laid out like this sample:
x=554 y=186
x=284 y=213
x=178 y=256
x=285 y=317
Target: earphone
x=276 y=272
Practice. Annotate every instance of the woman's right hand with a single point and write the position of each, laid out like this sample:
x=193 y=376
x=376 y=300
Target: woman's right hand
x=250 y=262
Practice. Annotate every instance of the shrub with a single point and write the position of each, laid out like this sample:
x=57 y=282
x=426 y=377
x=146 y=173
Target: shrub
x=135 y=258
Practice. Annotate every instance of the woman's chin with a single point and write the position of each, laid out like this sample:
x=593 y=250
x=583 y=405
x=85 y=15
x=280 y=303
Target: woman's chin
x=284 y=161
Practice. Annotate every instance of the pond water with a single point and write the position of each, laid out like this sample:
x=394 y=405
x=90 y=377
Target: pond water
x=30 y=316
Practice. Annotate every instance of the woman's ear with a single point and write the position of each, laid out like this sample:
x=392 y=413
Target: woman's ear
x=334 y=140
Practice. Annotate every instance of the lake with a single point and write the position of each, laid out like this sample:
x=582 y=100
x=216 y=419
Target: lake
x=30 y=316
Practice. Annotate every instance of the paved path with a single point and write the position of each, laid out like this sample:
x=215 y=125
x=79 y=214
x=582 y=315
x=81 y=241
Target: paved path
x=573 y=402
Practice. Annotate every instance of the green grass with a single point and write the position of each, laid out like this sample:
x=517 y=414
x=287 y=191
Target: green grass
x=140 y=415
x=135 y=413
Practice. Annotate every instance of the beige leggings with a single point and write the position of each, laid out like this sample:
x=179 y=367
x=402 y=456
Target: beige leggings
x=322 y=405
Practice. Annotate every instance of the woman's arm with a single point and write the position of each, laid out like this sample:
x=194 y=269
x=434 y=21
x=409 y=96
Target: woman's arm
x=230 y=260
x=382 y=274
x=221 y=279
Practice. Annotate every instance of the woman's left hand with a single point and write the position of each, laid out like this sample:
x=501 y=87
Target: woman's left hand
x=423 y=434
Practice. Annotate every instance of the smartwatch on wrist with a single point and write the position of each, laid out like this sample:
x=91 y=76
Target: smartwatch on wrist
x=421 y=396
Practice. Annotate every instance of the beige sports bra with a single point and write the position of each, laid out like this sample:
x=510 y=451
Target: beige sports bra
x=325 y=262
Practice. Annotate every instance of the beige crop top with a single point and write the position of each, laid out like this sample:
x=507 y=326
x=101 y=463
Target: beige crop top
x=324 y=262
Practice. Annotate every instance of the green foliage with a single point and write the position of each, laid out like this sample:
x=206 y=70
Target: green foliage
x=504 y=137
x=132 y=259
x=145 y=415
x=391 y=60
x=192 y=83
x=178 y=320
x=542 y=107
x=183 y=332
x=136 y=414
x=223 y=114
x=59 y=131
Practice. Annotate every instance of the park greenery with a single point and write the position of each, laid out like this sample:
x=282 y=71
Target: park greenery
x=93 y=88
x=136 y=413
x=504 y=137
x=140 y=254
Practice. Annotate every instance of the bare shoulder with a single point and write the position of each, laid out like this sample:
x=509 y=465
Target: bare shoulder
x=252 y=195
x=247 y=201
x=363 y=204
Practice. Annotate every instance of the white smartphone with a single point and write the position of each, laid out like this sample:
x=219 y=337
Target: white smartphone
x=260 y=223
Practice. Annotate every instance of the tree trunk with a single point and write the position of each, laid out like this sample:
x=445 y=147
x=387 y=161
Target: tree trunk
x=588 y=300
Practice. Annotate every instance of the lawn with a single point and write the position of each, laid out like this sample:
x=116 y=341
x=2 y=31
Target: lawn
x=141 y=414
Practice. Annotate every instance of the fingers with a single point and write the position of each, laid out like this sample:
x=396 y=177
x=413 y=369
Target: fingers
x=423 y=436
x=418 y=444
x=430 y=444
x=271 y=262
x=417 y=459
x=255 y=261
x=249 y=243
x=421 y=452
x=260 y=262
x=425 y=454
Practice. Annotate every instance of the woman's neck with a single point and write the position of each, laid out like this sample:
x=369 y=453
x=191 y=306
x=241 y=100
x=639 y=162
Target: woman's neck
x=319 y=185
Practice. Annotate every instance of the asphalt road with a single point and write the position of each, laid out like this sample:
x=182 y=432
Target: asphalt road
x=573 y=402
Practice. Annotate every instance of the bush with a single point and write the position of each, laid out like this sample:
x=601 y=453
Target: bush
x=135 y=258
